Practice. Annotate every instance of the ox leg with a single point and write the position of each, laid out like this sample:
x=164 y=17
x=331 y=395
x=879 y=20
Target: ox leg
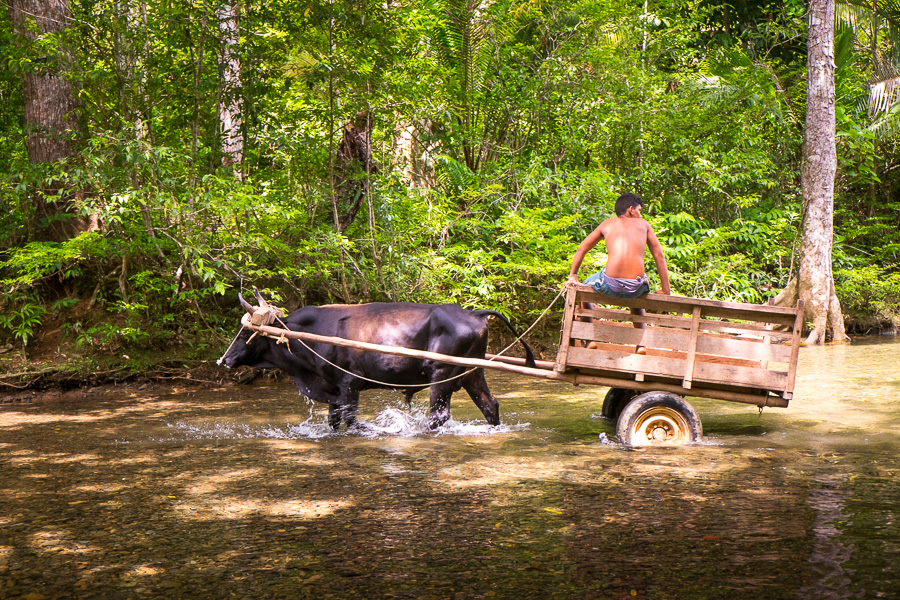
x=349 y=413
x=334 y=416
x=477 y=387
x=439 y=408
x=342 y=412
x=408 y=396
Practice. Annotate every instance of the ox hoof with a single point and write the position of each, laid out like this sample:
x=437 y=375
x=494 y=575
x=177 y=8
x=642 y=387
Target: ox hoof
x=436 y=423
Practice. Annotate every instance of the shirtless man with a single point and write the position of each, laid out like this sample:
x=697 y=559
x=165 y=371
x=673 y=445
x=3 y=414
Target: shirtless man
x=626 y=237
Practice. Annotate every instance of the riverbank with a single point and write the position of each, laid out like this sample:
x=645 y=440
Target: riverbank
x=66 y=369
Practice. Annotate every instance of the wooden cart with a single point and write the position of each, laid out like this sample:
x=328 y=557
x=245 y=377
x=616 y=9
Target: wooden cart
x=681 y=346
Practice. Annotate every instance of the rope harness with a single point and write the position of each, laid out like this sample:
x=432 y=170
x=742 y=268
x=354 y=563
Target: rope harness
x=268 y=314
x=263 y=315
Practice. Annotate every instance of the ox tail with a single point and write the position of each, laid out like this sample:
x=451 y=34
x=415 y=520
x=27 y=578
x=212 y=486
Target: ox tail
x=529 y=355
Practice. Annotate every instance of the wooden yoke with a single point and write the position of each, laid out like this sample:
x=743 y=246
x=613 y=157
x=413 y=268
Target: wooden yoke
x=700 y=346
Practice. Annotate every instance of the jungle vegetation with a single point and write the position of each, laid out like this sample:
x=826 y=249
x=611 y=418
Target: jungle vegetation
x=423 y=150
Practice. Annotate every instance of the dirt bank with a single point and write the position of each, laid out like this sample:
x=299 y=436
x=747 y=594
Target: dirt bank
x=53 y=370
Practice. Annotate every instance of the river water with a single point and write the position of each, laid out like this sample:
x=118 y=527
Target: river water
x=243 y=492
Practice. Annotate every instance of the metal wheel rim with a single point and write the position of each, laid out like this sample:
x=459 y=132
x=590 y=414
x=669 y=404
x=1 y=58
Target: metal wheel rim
x=660 y=425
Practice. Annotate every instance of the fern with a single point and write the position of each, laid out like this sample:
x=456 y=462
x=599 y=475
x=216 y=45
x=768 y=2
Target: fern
x=463 y=42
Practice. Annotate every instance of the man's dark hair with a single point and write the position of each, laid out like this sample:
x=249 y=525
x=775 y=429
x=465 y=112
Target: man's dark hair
x=626 y=201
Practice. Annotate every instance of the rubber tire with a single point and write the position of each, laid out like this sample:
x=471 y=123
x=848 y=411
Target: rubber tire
x=615 y=401
x=662 y=413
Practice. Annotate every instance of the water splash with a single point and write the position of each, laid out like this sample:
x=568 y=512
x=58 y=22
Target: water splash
x=605 y=440
x=396 y=422
x=390 y=422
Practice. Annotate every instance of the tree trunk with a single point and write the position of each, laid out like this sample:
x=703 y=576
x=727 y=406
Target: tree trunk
x=198 y=71
x=417 y=168
x=353 y=168
x=49 y=104
x=230 y=106
x=127 y=66
x=816 y=281
x=50 y=121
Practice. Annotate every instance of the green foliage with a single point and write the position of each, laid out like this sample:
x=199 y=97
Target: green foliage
x=870 y=295
x=108 y=335
x=746 y=260
x=857 y=151
x=40 y=260
x=502 y=134
x=20 y=317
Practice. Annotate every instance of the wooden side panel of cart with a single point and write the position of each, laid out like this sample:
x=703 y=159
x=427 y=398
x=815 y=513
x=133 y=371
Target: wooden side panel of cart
x=688 y=345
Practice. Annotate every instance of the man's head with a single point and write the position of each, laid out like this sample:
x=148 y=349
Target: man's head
x=626 y=201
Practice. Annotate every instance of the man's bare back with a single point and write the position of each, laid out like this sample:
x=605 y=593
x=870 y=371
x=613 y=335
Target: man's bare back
x=626 y=237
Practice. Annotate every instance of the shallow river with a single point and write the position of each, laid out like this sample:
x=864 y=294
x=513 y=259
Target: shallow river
x=244 y=492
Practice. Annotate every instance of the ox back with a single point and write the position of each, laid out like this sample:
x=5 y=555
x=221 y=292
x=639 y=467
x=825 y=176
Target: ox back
x=336 y=375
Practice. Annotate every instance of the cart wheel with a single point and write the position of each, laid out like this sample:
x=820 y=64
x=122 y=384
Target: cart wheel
x=615 y=401
x=658 y=418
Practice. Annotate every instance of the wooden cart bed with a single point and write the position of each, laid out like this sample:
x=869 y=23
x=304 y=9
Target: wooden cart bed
x=704 y=347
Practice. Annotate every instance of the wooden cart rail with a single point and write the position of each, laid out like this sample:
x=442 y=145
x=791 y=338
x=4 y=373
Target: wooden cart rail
x=701 y=347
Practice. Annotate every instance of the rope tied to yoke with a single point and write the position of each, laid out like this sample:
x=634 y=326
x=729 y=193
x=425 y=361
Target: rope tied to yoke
x=263 y=315
x=268 y=314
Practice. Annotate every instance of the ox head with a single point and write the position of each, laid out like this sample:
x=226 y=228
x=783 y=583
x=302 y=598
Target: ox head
x=248 y=348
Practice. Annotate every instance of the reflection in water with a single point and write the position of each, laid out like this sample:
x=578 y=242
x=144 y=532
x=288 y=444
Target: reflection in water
x=829 y=554
x=246 y=492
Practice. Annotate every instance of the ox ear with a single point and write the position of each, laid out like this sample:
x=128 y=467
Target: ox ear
x=246 y=305
x=260 y=299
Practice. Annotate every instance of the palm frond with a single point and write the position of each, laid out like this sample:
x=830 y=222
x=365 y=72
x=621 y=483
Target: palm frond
x=710 y=88
x=301 y=64
x=888 y=124
x=884 y=87
x=883 y=95
x=871 y=18
x=612 y=33
x=460 y=42
x=843 y=47
x=853 y=15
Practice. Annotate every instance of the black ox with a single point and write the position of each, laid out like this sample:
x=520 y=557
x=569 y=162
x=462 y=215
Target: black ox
x=445 y=329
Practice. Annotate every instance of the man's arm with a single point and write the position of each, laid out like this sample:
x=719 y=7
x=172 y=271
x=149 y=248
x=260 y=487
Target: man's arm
x=659 y=258
x=589 y=242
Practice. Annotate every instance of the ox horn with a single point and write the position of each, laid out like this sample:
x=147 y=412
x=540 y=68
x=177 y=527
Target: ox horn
x=246 y=305
x=260 y=299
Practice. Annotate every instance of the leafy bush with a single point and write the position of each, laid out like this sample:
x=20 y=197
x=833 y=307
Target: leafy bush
x=869 y=295
x=20 y=316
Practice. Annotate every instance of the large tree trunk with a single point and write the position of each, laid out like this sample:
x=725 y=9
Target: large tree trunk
x=50 y=120
x=816 y=281
x=416 y=168
x=49 y=104
x=230 y=108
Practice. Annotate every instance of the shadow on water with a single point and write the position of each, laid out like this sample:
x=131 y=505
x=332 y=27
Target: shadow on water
x=245 y=492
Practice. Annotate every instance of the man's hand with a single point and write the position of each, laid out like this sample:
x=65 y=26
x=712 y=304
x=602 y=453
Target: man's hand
x=573 y=279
